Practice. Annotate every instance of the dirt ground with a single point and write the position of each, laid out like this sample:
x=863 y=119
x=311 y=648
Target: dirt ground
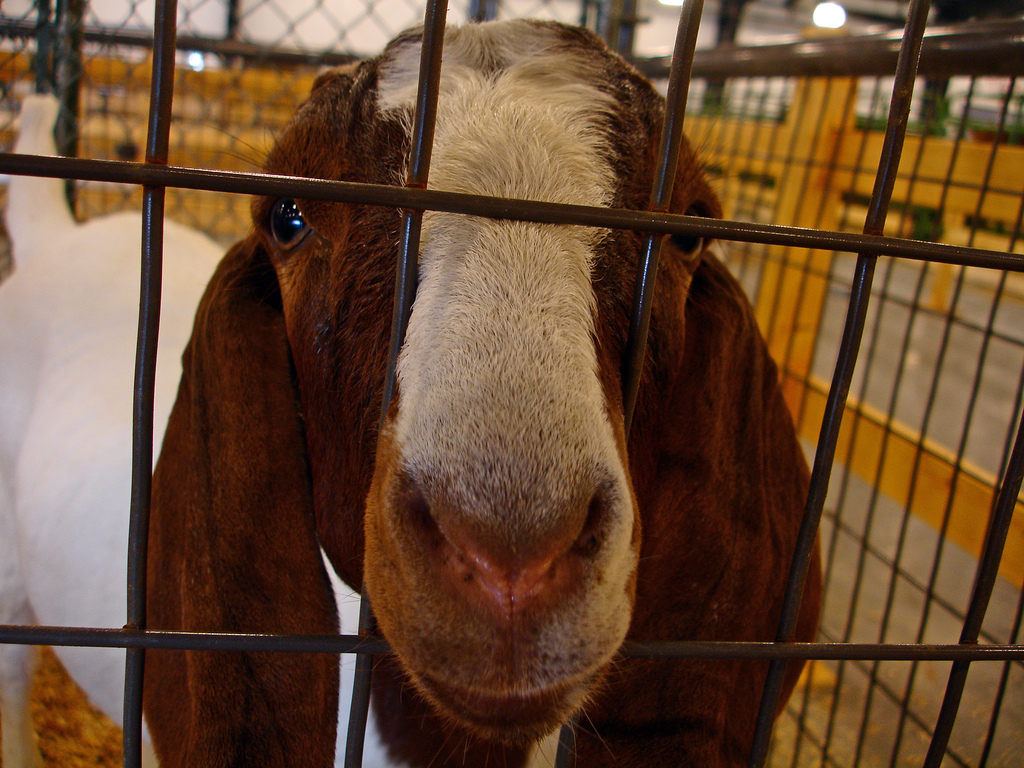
x=71 y=732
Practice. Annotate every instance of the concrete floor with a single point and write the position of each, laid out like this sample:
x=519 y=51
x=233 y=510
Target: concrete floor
x=868 y=727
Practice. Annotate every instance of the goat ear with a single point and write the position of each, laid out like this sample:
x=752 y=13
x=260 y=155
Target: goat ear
x=232 y=544
x=721 y=482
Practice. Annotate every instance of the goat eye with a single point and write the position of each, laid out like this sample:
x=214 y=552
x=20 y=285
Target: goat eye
x=689 y=245
x=287 y=223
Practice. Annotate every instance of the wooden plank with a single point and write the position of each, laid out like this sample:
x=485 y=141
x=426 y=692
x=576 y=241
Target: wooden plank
x=793 y=285
x=928 y=491
x=250 y=86
x=1001 y=202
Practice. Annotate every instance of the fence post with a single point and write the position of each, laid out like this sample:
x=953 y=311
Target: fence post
x=67 y=31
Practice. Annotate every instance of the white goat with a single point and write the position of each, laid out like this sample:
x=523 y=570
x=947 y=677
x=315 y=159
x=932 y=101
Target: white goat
x=67 y=327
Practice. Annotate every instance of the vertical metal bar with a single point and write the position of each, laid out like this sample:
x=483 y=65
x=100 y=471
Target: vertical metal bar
x=855 y=601
x=972 y=401
x=989 y=566
x=1014 y=635
x=405 y=291
x=832 y=167
x=355 y=737
x=1004 y=680
x=982 y=592
x=482 y=10
x=42 y=62
x=161 y=95
x=233 y=20
x=661 y=197
x=67 y=78
x=895 y=132
x=856 y=170
x=624 y=28
x=67 y=71
x=566 y=752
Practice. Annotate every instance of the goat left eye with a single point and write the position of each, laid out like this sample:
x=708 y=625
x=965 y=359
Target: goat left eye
x=689 y=245
x=287 y=223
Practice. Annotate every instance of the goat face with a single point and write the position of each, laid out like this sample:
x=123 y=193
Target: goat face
x=502 y=532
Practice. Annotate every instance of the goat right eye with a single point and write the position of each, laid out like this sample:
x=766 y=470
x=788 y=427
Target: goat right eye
x=287 y=224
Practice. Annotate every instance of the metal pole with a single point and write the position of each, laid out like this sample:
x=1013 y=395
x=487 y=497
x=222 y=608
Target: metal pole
x=405 y=293
x=157 y=146
x=895 y=132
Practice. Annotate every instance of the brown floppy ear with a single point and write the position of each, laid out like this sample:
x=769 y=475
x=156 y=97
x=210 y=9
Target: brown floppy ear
x=232 y=544
x=721 y=483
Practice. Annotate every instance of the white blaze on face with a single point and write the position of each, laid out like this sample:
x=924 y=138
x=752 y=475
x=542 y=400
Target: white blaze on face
x=498 y=377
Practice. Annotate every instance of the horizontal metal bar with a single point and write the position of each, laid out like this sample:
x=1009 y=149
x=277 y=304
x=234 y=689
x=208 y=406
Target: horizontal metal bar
x=501 y=208
x=821 y=651
x=215 y=641
x=92 y=637
x=990 y=49
x=994 y=48
x=253 y=52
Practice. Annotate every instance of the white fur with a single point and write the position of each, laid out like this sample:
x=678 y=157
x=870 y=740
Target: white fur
x=504 y=311
x=503 y=322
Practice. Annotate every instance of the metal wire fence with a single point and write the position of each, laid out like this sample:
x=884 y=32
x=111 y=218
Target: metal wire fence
x=934 y=395
x=879 y=238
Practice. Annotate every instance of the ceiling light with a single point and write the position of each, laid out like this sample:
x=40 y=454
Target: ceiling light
x=830 y=15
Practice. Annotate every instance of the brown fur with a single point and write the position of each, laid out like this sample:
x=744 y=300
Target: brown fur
x=273 y=442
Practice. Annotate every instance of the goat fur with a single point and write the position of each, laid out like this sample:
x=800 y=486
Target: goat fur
x=273 y=447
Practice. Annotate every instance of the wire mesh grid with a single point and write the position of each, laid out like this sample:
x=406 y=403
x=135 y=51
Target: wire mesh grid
x=935 y=394
x=940 y=341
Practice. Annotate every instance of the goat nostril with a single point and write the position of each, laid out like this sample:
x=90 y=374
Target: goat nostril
x=588 y=542
x=418 y=512
x=588 y=545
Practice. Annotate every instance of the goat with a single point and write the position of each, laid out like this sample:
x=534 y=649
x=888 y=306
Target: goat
x=67 y=343
x=508 y=531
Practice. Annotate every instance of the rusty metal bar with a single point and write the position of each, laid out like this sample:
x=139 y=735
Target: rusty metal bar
x=994 y=48
x=932 y=415
x=914 y=308
x=892 y=146
x=90 y=637
x=502 y=208
x=407 y=268
x=661 y=196
x=234 y=49
x=988 y=570
x=157 y=144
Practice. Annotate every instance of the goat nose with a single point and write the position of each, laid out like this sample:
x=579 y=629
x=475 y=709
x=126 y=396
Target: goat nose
x=505 y=586
x=505 y=575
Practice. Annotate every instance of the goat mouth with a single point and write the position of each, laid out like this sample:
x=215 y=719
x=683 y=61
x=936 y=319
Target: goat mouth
x=508 y=716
